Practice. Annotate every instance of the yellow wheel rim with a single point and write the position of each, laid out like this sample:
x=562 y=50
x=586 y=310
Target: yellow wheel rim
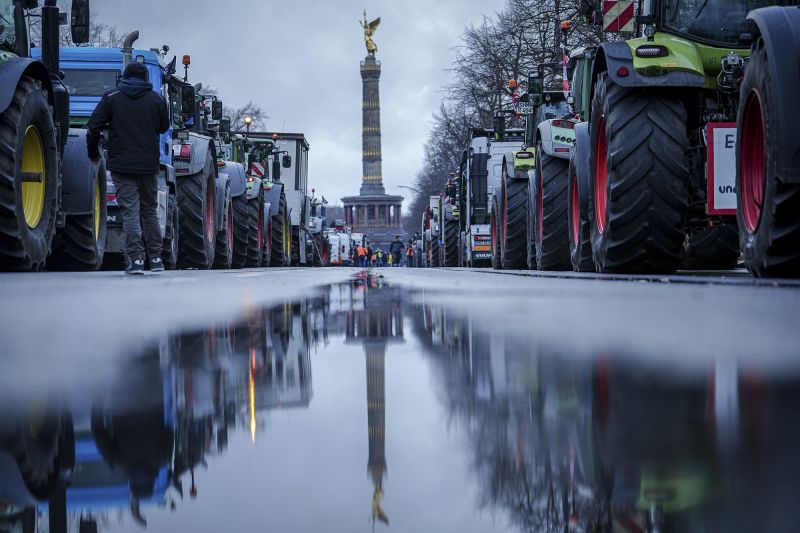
x=34 y=177
x=97 y=209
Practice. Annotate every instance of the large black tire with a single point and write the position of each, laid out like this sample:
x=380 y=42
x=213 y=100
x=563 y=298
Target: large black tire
x=497 y=263
x=23 y=247
x=296 y=246
x=255 y=232
x=196 y=206
x=712 y=248
x=552 y=202
x=266 y=255
x=171 y=247
x=640 y=165
x=223 y=255
x=513 y=234
x=436 y=253
x=81 y=243
x=580 y=239
x=281 y=230
x=37 y=451
x=450 y=243
x=241 y=232
x=768 y=208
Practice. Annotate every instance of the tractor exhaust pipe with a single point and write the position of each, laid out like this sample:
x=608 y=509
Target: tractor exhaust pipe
x=127 y=48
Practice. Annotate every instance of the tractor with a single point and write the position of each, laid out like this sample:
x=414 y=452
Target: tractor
x=52 y=211
x=663 y=137
x=449 y=223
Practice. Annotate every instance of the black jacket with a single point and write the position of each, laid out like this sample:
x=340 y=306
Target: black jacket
x=136 y=116
x=396 y=248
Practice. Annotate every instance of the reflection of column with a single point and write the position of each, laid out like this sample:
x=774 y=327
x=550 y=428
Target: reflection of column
x=376 y=423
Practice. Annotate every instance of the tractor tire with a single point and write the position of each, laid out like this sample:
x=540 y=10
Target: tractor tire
x=281 y=236
x=768 y=208
x=223 y=255
x=171 y=246
x=255 y=232
x=80 y=244
x=436 y=254
x=296 y=246
x=196 y=208
x=450 y=242
x=28 y=145
x=514 y=227
x=36 y=450
x=497 y=264
x=640 y=180
x=241 y=232
x=712 y=248
x=266 y=254
x=580 y=241
x=552 y=203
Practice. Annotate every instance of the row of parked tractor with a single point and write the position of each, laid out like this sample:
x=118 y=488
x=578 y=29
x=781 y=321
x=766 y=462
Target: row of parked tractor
x=226 y=199
x=675 y=149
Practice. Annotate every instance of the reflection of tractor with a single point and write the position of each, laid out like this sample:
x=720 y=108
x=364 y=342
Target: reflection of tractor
x=50 y=193
x=662 y=131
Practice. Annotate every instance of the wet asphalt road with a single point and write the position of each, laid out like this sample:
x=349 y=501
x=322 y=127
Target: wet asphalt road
x=406 y=400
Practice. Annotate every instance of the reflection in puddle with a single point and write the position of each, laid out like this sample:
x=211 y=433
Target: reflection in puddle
x=484 y=433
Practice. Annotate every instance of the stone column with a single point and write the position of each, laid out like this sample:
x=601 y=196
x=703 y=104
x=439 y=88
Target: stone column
x=372 y=179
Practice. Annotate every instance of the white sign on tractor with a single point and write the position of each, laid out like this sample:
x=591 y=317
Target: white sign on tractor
x=721 y=168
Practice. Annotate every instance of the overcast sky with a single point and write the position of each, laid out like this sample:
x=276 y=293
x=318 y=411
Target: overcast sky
x=299 y=59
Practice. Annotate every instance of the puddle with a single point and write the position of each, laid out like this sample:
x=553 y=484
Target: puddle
x=363 y=408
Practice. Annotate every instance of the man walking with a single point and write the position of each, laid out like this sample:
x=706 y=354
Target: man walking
x=396 y=249
x=135 y=116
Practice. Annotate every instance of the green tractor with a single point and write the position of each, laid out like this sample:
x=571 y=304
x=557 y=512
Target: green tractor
x=52 y=198
x=662 y=137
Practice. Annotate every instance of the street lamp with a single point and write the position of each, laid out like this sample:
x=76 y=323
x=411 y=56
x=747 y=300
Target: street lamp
x=409 y=188
x=247 y=122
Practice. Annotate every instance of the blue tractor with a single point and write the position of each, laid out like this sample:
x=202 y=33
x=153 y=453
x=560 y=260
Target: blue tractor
x=193 y=197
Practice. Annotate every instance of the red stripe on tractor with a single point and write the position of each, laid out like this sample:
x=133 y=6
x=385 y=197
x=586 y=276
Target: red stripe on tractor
x=608 y=5
x=625 y=17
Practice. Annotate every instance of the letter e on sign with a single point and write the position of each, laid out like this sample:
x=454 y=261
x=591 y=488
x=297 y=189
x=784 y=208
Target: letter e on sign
x=721 y=168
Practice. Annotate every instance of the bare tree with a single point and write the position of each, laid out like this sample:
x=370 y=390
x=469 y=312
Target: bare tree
x=101 y=35
x=251 y=109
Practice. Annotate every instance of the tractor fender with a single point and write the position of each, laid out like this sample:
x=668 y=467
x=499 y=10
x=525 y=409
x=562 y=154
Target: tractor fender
x=12 y=70
x=581 y=155
x=779 y=29
x=77 y=176
x=202 y=150
x=544 y=132
x=256 y=189
x=272 y=196
x=238 y=179
x=223 y=195
x=612 y=56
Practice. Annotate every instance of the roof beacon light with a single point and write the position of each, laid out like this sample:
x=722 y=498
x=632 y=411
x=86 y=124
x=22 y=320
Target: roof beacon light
x=187 y=60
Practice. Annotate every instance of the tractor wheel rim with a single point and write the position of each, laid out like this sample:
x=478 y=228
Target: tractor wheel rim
x=97 y=210
x=540 y=209
x=600 y=176
x=575 y=208
x=210 y=212
x=230 y=227
x=260 y=233
x=33 y=192
x=753 y=162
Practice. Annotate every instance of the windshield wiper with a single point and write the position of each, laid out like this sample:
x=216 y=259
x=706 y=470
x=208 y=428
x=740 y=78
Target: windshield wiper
x=701 y=9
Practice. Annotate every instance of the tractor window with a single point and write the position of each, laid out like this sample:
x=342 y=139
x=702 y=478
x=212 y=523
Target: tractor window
x=715 y=21
x=551 y=110
x=7 y=29
x=90 y=82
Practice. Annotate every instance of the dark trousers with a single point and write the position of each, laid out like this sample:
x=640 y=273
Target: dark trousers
x=137 y=196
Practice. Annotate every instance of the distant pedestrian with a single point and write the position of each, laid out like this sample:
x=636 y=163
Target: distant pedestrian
x=370 y=252
x=410 y=255
x=396 y=249
x=135 y=115
x=362 y=256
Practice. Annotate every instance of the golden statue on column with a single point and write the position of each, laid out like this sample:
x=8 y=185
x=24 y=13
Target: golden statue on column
x=369 y=31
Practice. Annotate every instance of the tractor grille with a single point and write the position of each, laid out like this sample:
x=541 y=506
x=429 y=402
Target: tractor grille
x=478 y=185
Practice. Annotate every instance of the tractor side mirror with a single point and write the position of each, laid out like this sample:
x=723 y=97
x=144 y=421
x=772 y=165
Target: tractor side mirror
x=286 y=161
x=224 y=125
x=216 y=110
x=587 y=9
x=536 y=88
x=79 y=21
x=499 y=128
